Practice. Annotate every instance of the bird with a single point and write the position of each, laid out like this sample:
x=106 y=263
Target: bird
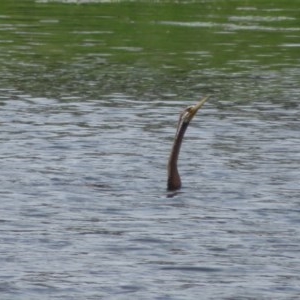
x=174 y=181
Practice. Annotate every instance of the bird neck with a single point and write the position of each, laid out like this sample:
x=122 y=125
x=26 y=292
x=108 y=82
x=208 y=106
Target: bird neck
x=174 y=181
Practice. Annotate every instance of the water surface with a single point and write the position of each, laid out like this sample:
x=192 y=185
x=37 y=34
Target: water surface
x=90 y=97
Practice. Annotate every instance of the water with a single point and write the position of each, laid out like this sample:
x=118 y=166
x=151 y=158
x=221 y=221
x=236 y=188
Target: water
x=86 y=130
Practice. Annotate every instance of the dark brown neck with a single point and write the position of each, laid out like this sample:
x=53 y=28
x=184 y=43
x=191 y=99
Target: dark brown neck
x=174 y=181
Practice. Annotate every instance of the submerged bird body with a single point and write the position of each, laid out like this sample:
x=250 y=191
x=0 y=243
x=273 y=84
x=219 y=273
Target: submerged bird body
x=174 y=181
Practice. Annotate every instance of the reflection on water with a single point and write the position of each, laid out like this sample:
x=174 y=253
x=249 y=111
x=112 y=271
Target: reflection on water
x=149 y=50
x=90 y=98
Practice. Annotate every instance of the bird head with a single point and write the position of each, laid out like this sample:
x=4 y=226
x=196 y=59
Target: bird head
x=188 y=114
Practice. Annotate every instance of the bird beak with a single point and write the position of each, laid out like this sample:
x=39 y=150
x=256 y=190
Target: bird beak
x=195 y=108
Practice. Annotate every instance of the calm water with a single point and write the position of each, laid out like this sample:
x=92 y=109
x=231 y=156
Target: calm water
x=90 y=96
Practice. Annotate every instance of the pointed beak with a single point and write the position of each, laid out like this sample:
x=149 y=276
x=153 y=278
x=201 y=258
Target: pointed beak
x=195 y=108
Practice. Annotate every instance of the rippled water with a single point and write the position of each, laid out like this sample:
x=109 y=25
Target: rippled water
x=85 y=213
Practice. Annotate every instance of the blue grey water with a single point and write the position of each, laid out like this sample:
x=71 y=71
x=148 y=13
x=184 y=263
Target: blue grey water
x=84 y=209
